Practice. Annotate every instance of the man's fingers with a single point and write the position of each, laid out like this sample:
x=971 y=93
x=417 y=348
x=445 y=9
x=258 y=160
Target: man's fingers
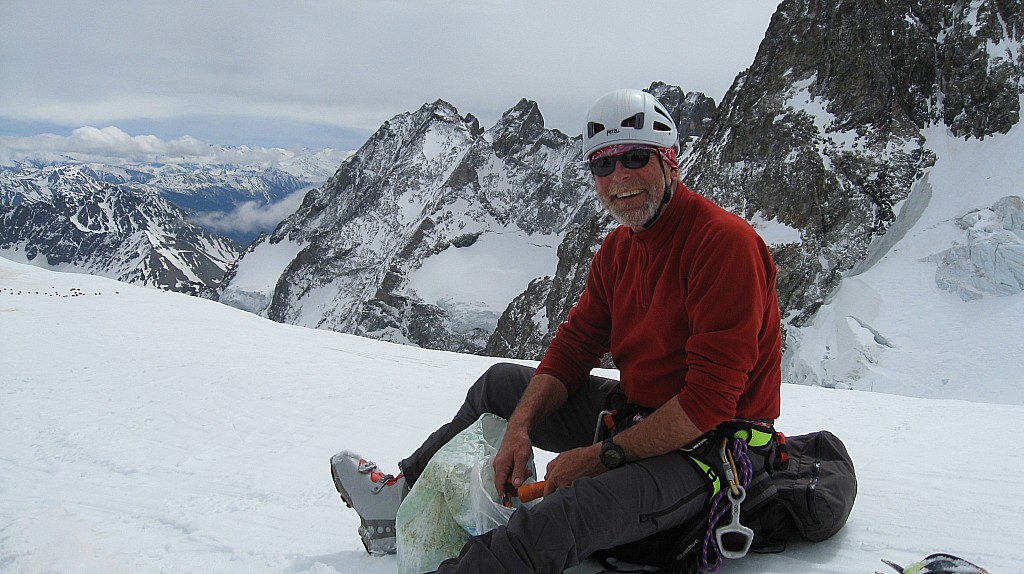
x=511 y=464
x=520 y=473
x=502 y=470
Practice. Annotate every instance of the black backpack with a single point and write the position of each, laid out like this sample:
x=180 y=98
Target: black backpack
x=813 y=486
x=808 y=489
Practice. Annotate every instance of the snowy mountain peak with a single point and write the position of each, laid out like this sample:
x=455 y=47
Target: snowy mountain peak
x=520 y=125
x=17 y=185
x=427 y=233
x=826 y=131
x=111 y=148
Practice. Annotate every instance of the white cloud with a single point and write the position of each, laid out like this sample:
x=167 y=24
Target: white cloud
x=251 y=216
x=107 y=143
x=89 y=139
x=114 y=146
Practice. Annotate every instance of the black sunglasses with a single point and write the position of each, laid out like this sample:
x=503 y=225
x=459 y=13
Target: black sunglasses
x=632 y=159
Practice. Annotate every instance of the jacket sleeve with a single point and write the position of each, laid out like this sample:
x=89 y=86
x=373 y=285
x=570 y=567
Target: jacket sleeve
x=584 y=337
x=728 y=287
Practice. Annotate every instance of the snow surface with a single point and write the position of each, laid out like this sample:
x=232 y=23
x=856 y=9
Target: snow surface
x=147 y=431
x=475 y=284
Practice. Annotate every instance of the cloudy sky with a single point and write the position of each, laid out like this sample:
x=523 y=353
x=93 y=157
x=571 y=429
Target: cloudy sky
x=327 y=73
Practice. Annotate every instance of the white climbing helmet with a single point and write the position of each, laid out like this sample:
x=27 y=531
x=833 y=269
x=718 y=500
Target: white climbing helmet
x=628 y=117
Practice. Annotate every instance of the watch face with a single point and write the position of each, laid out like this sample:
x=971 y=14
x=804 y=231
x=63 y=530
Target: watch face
x=612 y=458
x=612 y=455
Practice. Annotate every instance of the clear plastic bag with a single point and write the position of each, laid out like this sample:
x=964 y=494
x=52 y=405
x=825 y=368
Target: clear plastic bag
x=488 y=511
x=454 y=499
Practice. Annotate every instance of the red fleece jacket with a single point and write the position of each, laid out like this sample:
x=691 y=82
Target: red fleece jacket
x=688 y=309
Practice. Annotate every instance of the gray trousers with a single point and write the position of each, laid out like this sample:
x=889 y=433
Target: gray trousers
x=563 y=529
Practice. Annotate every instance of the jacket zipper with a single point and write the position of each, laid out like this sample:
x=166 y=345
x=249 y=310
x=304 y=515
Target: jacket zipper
x=643 y=282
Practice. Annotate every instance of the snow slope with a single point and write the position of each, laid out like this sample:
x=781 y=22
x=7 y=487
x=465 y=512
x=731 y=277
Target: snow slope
x=146 y=431
x=481 y=280
x=935 y=310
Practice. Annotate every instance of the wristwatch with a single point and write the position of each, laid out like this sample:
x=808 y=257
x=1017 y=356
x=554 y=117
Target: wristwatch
x=612 y=455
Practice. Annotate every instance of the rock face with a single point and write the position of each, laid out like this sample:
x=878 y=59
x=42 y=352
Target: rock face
x=62 y=218
x=823 y=131
x=691 y=111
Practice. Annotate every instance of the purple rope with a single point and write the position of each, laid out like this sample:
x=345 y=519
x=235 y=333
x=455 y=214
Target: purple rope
x=718 y=509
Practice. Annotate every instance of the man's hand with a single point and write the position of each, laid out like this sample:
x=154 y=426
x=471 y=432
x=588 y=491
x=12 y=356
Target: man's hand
x=542 y=396
x=573 y=464
x=511 y=460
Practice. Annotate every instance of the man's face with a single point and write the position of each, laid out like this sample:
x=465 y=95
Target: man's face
x=633 y=196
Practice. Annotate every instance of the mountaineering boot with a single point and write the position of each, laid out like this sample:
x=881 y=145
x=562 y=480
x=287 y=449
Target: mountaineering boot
x=374 y=495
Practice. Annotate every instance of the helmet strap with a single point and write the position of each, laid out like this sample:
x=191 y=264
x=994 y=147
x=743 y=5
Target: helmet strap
x=665 y=197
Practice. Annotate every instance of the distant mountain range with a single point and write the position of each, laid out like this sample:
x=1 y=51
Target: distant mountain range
x=174 y=222
x=222 y=188
x=63 y=218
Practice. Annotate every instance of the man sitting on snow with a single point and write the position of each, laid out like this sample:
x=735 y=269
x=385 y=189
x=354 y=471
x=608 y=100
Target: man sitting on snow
x=683 y=296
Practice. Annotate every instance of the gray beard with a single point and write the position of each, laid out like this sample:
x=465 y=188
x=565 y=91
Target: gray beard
x=635 y=218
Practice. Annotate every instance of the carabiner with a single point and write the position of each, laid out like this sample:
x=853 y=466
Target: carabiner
x=729 y=469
